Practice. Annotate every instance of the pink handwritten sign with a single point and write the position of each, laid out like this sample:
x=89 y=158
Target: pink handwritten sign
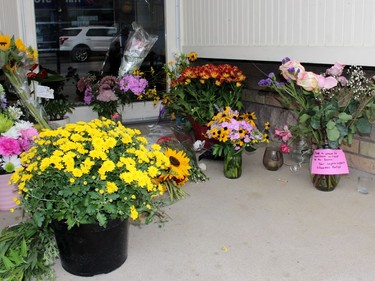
x=329 y=162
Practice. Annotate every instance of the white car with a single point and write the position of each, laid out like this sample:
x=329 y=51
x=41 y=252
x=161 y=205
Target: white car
x=82 y=41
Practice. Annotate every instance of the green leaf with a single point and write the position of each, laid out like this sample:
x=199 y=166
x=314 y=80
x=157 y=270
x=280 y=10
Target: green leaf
x=303 y=118
x=333 y=134
x=344 y=117
x=249 y=149
x=331 y=124
x=23 y=248
x=364 y=126
x=38 y=219
x=101 y=219
x=8 y=264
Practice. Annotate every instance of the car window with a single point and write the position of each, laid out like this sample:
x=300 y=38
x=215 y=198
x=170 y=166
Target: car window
x=99 y=32
x=70 y=32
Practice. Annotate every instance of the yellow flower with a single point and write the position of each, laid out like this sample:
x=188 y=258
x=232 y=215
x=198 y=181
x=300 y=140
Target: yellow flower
x=20 y=45
x=4 y=42
x=111 y=187
x=133 y=213
x=192 y=56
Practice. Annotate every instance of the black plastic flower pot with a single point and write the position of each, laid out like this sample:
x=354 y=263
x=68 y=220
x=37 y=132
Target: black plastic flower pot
x=90 y=249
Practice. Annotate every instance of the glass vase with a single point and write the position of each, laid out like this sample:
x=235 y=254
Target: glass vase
x=325 y=182
x=232 y=165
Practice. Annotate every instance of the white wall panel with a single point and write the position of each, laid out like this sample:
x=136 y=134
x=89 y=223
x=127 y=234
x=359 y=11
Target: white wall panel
x=317 y=31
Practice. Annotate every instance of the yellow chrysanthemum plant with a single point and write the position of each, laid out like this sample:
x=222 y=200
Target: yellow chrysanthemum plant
x=16 y=59
x=91 y=172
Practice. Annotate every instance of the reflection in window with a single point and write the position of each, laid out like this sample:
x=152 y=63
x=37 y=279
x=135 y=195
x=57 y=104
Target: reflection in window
x=65 y=49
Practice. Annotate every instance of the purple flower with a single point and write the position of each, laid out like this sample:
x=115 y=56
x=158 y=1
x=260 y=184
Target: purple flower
x=265 y=82
x=3 y=102
x=285 y=60
x=135 y=84
x=88 y=98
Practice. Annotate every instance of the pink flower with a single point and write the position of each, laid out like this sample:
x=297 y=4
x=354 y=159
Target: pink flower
x=290 y=69
x=29 y=134
x=106 y=95
x=285 y=134
x=308 y=80
x=9 y=146
x=336 y=69
x=285 y=148
x=342 y=80
x=326 y=82
x=115 y=116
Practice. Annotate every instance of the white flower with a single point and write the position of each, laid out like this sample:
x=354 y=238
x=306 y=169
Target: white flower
x=13 y=133
x=23 y=125
x=11 y=163
x=14 y=112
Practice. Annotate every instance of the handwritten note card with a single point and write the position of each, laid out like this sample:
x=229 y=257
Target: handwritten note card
x=329 y=162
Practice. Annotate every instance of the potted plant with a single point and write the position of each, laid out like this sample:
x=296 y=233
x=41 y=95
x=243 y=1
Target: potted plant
x=16 y=137
x=198 y=91
x=56 y=110
x=93 y=175
x=330 y=107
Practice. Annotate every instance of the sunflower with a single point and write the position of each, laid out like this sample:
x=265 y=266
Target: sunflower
x=180 y=167
x=4 y=42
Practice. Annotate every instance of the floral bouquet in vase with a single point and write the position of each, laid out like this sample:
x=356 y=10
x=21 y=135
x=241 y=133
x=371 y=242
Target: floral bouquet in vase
x=234 y=132
x=330 y=107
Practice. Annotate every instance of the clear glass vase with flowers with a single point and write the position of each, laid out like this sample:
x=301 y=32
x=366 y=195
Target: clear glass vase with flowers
x=234 y=133
x=330 y=107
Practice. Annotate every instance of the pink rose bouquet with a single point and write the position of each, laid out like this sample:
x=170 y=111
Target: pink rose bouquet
x=330 y=107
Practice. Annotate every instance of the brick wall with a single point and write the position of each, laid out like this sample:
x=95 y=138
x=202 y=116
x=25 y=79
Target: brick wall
x=360 y=155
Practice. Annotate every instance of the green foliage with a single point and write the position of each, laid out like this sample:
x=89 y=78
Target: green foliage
x=27 y=253
x=200 y=91
x=332 y=115
x=56 y=109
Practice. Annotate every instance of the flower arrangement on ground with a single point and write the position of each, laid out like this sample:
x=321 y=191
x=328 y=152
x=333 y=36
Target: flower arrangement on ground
x=330 y=107
x=107 y=170
x=17 y=135
x=184 y=167
x=234 y=132
x=86 y=173
x=16 y=59
x=194 y=91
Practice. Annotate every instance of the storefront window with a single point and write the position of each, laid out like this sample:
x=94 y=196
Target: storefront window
x=78 y=36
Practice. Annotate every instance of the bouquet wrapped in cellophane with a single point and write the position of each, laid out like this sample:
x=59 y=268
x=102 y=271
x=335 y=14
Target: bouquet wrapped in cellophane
x=16 y=59
x=137 y=47
x=178 y=147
